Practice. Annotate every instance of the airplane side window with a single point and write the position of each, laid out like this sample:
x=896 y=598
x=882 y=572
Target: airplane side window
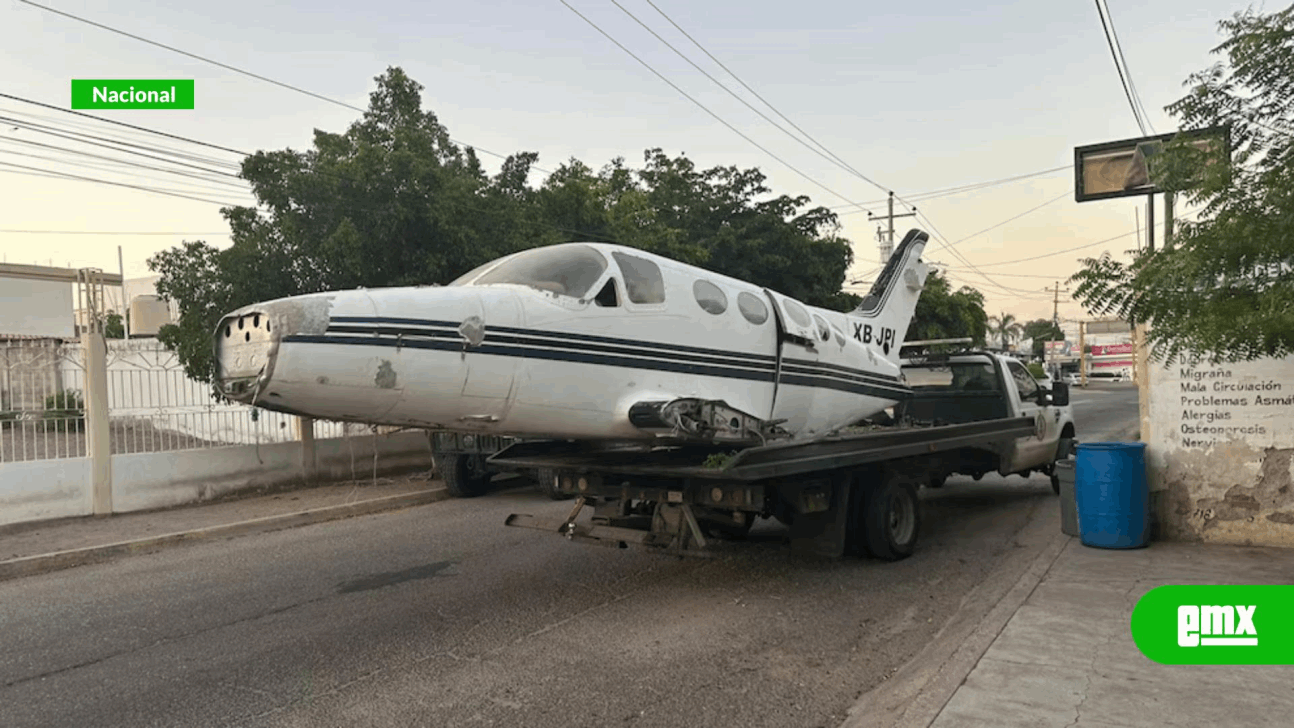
x=607 y=298
x=643 y=281
x=710 y=297
x=823 y=330
x=797 y=313
x=752 y=308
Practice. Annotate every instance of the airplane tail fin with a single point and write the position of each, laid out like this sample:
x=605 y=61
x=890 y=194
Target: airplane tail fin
x=883 y=317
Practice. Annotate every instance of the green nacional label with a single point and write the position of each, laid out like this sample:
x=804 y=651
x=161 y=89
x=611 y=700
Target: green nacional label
x=1216 y=625
x=132 y=94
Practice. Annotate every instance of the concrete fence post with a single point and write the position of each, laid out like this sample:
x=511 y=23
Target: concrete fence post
x=306 y=434
x=97 y=434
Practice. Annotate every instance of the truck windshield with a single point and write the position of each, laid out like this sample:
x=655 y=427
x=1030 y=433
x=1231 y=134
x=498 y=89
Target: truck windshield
x=567 y=270
x=953 y=377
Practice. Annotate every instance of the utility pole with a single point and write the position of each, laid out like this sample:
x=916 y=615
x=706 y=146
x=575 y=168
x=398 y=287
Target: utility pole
x=1055 y=318
x=887 y=246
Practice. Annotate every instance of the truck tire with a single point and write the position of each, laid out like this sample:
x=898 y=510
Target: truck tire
x=547 y=479
x=891 y=519
x=465 y=475
x=937 y=481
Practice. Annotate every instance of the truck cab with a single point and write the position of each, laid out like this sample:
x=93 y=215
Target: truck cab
x=972 y=386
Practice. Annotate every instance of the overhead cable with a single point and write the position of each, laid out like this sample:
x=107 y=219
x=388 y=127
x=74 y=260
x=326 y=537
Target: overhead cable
x=235 y=69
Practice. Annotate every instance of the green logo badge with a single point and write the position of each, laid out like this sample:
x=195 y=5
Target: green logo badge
x=132 y=94
x=1216 y=625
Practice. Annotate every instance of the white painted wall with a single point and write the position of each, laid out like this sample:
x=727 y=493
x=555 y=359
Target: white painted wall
x=44 y=489
x=36 y=308
x=1219 y=451
x=38 y=490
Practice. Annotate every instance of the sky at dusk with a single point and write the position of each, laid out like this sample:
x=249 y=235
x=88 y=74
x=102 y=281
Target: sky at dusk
x=916 y=96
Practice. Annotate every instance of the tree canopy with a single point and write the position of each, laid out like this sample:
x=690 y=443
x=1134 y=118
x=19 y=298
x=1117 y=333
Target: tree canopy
x=1040 y=331
x=1223 y=287
x=1005 y=328
x=943 y=313
x=394 y=201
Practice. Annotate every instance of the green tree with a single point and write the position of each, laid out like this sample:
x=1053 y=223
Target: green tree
x=114 y=327
x=392 y=201
x=1041 y=331
x=1224 y=289
x=721 y=218
x=943 y=313
x=1004 y=328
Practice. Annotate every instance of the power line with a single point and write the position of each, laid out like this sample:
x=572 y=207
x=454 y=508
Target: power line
x=105 y=232
x=765 y=101
x=191 y=187
x=1124 y=59
x=702 y=106
x=235 y=69
x=1012 y=219
x=103 y=142
x=949 y=191
x=129 y=163
x=828 y=155
x=1109 y=39
x=65 y=175
x=1062 y=252
x=122 y=123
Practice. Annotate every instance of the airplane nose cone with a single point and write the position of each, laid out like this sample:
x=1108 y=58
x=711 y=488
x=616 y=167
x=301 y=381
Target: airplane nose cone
x=246 y=342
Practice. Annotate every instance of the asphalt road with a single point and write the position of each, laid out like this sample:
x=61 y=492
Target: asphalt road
x=439 y=615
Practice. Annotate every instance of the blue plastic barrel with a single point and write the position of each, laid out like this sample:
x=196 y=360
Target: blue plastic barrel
x=1113 y=495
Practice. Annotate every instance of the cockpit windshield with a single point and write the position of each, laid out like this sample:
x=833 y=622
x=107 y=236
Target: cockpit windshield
x=567 y=270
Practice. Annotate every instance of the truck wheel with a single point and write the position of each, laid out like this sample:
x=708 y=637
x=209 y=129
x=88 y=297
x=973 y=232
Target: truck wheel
x=937 y=481
x=891 y=519
x=547 y=479
x=465 y=475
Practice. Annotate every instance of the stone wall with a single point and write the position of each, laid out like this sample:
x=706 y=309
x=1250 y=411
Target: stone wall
x=1220 y=451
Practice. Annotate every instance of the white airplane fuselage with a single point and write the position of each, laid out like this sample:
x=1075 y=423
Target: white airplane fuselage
x=562 y=342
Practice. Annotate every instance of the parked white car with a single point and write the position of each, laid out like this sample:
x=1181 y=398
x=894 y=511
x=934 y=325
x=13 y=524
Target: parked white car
x=1073 y=380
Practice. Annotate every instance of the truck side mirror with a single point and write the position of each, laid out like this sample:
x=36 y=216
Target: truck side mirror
x=1060 y=394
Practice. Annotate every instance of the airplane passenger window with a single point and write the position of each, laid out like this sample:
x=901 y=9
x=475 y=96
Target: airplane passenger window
x=823 y=330
x=567 y=270
x=643 y=281
x=710 y=297
x=752 y=308
x=797 y=313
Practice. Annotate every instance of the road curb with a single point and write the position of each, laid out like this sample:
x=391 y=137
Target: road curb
x=916 y=695
x=58 y=560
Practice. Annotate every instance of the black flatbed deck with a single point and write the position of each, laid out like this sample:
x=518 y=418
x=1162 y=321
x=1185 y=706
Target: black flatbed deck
x=766 y=461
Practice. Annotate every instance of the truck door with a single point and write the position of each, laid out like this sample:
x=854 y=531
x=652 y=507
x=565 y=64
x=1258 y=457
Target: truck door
x=797 y=353
x=1030 y=450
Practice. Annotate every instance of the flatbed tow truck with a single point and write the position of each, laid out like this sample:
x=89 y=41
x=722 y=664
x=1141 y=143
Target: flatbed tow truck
x=853 y=492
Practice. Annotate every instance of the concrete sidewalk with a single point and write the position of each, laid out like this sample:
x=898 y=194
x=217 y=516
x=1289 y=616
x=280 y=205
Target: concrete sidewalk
x=34 y=548
x=1065 y=656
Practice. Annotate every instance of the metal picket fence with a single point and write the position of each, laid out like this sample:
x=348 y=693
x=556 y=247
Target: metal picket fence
x=42 y=412
x=152 y=405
